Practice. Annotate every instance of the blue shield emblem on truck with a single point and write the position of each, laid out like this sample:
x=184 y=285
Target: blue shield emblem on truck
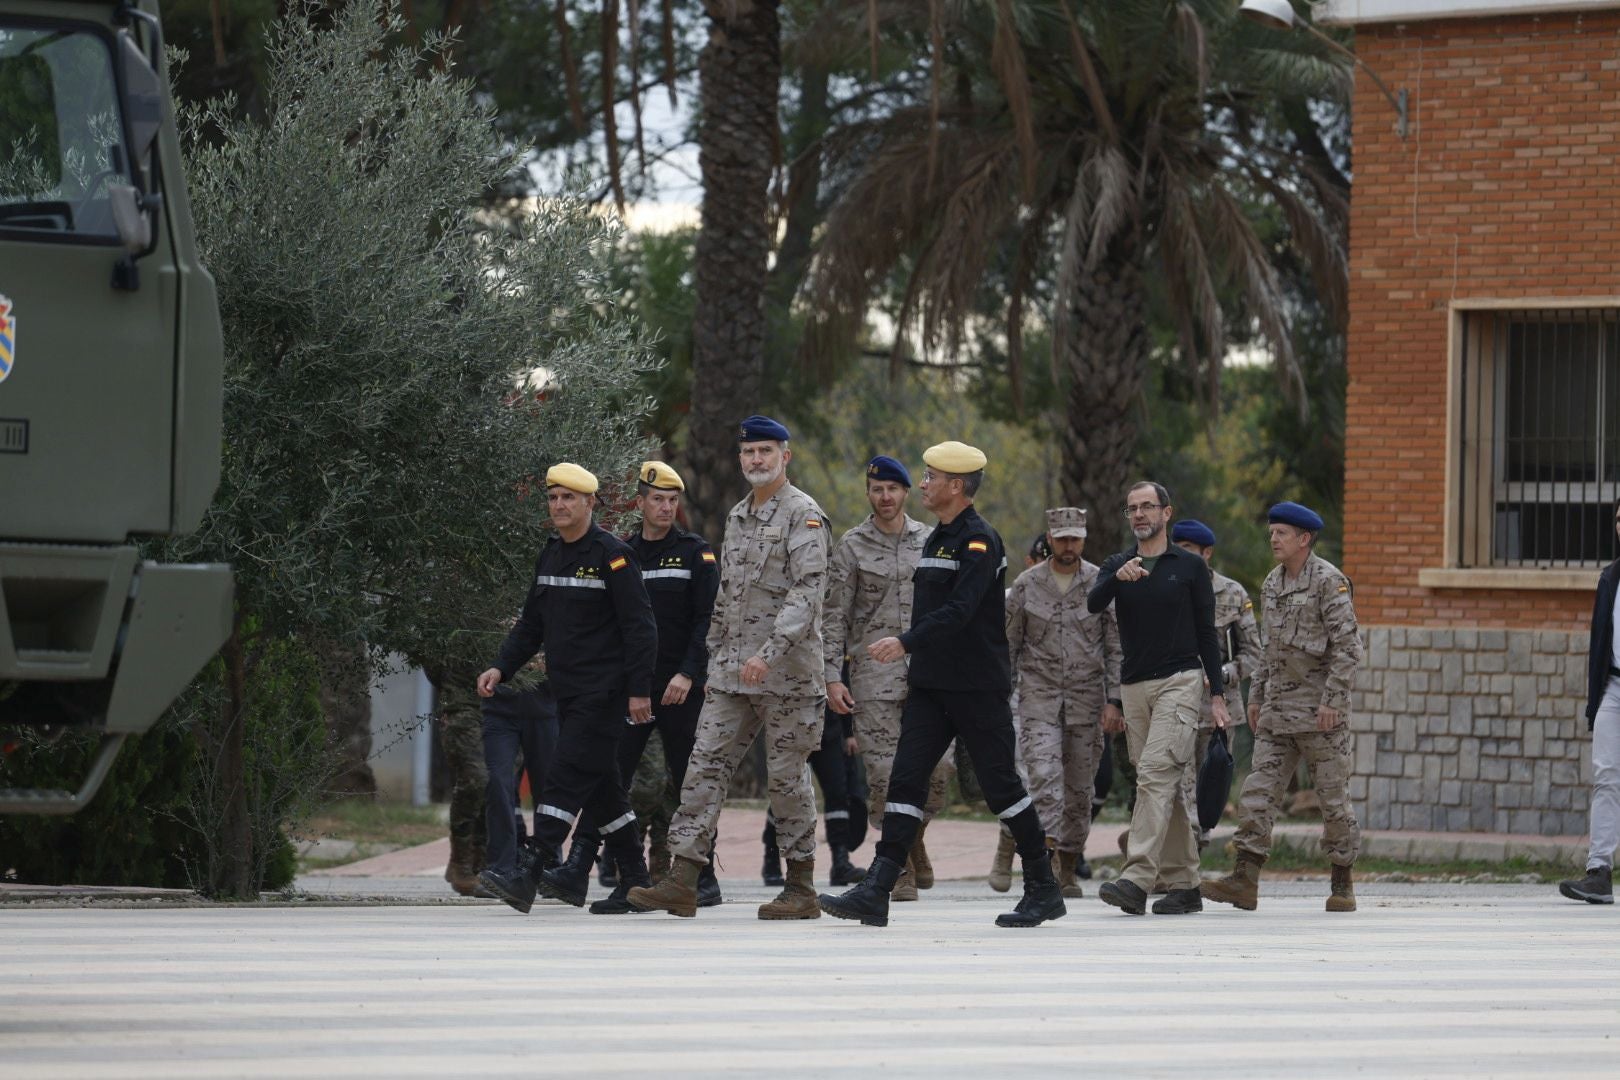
x=8 y=338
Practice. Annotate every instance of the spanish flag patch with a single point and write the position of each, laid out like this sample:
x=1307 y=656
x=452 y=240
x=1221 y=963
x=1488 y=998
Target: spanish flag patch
x=978 y=547
x=619 y=563
x=812 y=523
x=1344 y=588
x=708 y=556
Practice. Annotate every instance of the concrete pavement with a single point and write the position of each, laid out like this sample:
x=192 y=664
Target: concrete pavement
x=1425 y=980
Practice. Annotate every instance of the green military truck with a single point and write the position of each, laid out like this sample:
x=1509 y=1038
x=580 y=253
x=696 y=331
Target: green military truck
x=110 y=384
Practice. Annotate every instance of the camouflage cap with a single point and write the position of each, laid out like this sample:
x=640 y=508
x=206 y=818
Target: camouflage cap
x=1066 y=521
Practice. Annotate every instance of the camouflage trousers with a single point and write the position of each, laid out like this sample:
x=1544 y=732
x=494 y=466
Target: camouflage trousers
x=1060 y=760
x=877 y=733
x=652 y=792
x=461 y=733
x=726 y=728
x=1327 y=753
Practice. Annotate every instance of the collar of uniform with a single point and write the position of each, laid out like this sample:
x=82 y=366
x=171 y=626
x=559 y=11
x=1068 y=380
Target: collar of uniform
x=1048 y=577
x=870 y=526
x=1307 y=574
x=1171 y=551
x=967 y=517
x=767 y=511
x=590 y=535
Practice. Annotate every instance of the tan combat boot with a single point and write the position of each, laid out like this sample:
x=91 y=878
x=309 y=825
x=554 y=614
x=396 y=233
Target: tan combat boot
x=906 y=887
x=659 y=865
x=1067 y=882
x=1240 y=888
x=920 y=864
x=466 y=859
x=1343 y=897
x=1001 y=870
x=797 y=900
x=676 y=894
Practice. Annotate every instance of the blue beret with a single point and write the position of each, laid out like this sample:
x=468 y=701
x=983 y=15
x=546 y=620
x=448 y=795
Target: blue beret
x=1196 y=531
x=762 y=429
x=884 y=467
x=1300 y=517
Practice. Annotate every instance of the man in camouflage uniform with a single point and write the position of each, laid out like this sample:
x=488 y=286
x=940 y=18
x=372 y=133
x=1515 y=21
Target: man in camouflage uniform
x=765 y=673
x=1066 y=663
x=461 y=733
x=1240 y=650
x=1298 y=706
x=869 y=593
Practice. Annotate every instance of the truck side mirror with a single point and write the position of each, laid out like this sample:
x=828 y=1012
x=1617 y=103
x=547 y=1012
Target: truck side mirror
x=130 y=218
x=143 y=107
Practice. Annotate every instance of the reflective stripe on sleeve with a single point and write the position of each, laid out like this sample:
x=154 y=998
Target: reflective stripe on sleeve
x=836 y=815
x=650 y=575
x=937 y=564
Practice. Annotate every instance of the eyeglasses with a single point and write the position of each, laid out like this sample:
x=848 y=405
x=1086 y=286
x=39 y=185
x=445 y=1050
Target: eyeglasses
x=1143 y=508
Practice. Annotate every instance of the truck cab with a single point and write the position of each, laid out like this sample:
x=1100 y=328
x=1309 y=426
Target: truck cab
x=110 y=384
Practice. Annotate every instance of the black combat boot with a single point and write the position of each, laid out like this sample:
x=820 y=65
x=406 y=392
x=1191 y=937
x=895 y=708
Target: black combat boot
x=517 y=888
x=844 y=872
x=632 y=873
x=771 y=872
x=708 y=886
x=1179 y=902
x=570 y=881
x=1043 y=896
x=867 y=902
x=1125 y=895
x=606 y=875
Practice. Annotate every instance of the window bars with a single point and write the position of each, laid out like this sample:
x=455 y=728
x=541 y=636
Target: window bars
x=1537 y=464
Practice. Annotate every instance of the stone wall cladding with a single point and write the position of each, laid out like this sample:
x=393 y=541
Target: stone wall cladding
x=1472 y=730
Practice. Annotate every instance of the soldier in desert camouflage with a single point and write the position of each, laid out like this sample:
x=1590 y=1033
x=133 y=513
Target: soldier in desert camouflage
x=1299 y=707
x=1240 y=649
x=869 y=593
x=1065 y=660
x=765 y=678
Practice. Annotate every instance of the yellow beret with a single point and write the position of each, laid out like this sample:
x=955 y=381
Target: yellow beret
x=955 y=457
x=567 y=474
x=659 y=475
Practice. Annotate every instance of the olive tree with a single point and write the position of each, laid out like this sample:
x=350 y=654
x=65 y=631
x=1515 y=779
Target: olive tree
x=402 y=363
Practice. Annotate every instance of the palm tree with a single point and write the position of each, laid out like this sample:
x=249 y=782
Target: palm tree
x=739 y=73
x=1118 y=139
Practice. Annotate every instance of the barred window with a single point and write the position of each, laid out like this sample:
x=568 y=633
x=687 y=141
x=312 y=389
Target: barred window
x=1538 y=414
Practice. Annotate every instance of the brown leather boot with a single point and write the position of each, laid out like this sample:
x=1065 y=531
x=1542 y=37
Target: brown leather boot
x=906 y=887
x=1000 y=878
x=920 y=864
x=1067 y=882
x=797 y=900
x=1240 y=888
x=466 y=859
x=676 y=894
x=1343 y=897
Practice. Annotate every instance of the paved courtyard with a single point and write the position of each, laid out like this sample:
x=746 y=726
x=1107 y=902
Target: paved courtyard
x=1424 y=980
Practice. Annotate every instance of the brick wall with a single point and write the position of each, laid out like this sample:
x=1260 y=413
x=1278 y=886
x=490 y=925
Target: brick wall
x=1508 y=187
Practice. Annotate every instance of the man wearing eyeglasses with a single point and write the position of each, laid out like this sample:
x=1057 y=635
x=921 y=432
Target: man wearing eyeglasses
x=1603 y=718
x=1164 y=601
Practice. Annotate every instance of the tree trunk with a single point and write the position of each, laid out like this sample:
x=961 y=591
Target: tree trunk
x=804 y=191
x=346 y=703
x=738 y=72
x=1106 y=355
x=231 y=869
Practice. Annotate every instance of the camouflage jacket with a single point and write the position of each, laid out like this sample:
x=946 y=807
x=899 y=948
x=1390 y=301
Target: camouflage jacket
x=773 y=574
x=1060 y=650
x=1241 y=645
x=869 y=597
x=1312 y=647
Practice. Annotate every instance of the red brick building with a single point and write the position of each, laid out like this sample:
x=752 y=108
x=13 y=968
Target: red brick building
x=1483 y=417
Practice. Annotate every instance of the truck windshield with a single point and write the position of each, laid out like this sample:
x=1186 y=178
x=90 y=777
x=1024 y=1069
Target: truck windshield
x=61 y=138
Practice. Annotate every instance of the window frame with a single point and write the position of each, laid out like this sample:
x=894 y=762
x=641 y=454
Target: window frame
x=1452 y=573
